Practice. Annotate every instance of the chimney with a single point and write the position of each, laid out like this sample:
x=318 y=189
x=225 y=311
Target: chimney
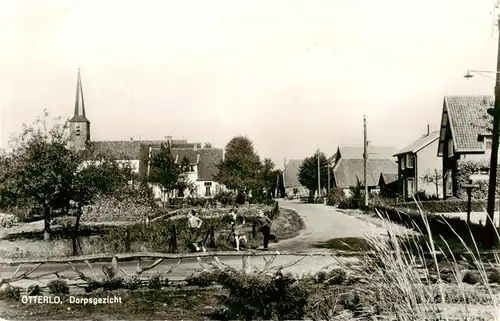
x=428 y=129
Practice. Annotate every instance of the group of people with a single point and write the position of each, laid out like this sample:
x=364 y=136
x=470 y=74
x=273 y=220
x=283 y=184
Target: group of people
x=237 y=230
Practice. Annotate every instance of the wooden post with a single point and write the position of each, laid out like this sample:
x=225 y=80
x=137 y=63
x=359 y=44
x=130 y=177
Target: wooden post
x=172 y=248
x=469 y=188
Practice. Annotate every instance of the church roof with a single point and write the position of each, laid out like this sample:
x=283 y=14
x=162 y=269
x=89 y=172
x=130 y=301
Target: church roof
x=79 y=114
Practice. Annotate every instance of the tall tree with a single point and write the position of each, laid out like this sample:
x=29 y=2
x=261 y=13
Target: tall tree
x=96 y=177
x=269 y=176
x=308 y=172
x=42 y=168
x=240 y=169
x=164 y=171
x=434 y=177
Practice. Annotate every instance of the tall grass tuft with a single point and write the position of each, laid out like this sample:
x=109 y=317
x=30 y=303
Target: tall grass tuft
x=413 y=280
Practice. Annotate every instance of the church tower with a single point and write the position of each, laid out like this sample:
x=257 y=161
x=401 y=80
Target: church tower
x=79 y=124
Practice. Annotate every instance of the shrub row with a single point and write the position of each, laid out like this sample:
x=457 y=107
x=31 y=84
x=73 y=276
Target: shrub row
x=446 y=206
x=446 y=227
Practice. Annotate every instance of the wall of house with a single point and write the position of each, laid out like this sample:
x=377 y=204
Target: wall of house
x=405 y=172
x=449 y=163
x=428 y=162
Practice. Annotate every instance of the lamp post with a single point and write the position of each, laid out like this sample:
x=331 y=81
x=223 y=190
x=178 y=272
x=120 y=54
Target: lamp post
x=490 y=239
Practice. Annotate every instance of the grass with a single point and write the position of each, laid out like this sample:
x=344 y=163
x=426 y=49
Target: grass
x=401 y=281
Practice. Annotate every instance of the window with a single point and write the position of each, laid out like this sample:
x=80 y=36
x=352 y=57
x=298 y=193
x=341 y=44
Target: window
x=488 y=143
x=410 y=162
x=208 y=187
x=402 y=161
x=450 y=148
x=77 y=130
x=411 y=187
x=449 y=184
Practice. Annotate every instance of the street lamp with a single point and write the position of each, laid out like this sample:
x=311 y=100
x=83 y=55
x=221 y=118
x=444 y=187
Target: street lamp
x=490 y=239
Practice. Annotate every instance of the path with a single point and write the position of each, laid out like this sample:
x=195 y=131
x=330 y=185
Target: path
x=322 y=223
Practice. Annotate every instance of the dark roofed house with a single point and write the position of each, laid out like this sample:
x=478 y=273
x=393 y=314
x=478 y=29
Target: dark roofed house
x=349 y=173
x=465 y=134
x=291 y=179
x=417 y=160
x=388 y=184
x=356 y=152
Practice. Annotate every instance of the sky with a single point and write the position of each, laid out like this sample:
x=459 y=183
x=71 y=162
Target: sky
x=291 y=75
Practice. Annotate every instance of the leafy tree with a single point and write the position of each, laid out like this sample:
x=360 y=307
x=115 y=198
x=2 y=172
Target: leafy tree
x=96 y=177
x=269 y=176
x=308 y=172
x=240 y=169
x=164 y=171
x=41 y=168
x=207 y=145
x=185 y=164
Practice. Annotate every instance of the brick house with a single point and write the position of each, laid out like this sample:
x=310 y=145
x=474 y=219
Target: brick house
x=415 y=161
x=464 y=135
x=136 y=153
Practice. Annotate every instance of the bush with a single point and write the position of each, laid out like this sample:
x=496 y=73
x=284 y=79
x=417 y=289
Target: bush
x=34 y=290
x=203 y=279
x=445 y=227
x=58 y=287
x=263 y=297
x=111 y=284
x=7 y=220
x=156 y=282
x=132 y=282
x=446 y=206
x=226 y=198
x=335 y=196
x=11 y=292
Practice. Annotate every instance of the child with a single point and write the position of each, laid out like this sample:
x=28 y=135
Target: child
x=265 y=227
x=194 y=223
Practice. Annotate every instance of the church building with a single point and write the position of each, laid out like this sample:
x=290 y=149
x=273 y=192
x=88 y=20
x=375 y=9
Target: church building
x=203 y=161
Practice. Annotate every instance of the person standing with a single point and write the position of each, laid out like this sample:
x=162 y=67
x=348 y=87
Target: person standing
x=265 y=227
x=195 y=223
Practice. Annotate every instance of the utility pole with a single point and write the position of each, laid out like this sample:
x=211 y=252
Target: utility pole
x=319 y=174
x=284 y=186
x=365 y=158
x=328 y=187
x=495 y=112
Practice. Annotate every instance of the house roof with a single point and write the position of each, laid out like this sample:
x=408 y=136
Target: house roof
x=387 y=178
x=130 y=150
x=206 y=158
x=291 y=173
x=356 y=152
x=468 y=119
x=420 y=143
x=348 y=172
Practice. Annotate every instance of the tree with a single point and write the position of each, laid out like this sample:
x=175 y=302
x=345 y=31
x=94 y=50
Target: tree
x=269 y=176
x=308 y=172
x=42 y=168
x=435 y=178
x=164 y=171
x=207 y=145
x=241 y=168
x=96 y=177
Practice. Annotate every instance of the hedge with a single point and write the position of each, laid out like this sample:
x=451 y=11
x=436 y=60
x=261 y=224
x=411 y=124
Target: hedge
x=439 y=225
x=446 y=206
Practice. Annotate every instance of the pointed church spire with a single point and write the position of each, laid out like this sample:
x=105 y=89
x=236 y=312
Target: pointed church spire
x=79 y=114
